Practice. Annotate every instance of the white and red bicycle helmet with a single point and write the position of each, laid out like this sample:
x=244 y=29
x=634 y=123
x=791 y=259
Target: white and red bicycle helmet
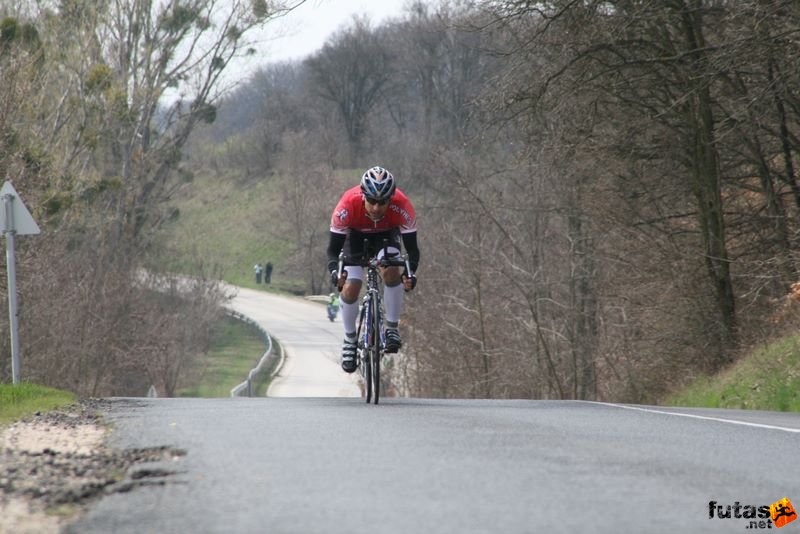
x=378 y=184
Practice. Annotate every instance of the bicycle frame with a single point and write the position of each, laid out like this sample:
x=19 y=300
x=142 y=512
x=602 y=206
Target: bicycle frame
x=370 y=332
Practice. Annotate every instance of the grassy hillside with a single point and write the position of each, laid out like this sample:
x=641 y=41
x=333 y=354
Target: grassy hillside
x=228 y=226
x=766 y=379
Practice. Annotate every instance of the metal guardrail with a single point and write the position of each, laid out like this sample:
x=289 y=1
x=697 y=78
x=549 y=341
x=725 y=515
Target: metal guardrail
x=162 y=282
x=246 y=387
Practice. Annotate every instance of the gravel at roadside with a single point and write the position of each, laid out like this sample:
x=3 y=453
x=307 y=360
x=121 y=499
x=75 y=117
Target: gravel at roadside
x=53 y=464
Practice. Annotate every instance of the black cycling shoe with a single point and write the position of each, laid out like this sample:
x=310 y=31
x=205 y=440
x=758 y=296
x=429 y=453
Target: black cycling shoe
x=393 y=341
x=349 y=356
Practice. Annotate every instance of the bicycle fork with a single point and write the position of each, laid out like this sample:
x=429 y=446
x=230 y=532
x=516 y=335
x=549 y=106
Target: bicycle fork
x=366 y=321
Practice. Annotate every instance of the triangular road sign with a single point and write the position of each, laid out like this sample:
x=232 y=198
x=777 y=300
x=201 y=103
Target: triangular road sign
x=22 y=222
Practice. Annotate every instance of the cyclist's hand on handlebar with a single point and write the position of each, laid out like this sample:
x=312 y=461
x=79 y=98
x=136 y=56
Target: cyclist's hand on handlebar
x=337 y=280
x=409 y=282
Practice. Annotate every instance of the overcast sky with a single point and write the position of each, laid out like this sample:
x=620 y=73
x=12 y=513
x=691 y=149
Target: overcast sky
x=303 y=31
x=309 y=26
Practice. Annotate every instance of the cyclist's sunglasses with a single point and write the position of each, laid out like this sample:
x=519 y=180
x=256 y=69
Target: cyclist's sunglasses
x=374 y=201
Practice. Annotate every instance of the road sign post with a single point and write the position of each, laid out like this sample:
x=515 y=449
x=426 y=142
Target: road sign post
x=8 y=205
x=15 y=219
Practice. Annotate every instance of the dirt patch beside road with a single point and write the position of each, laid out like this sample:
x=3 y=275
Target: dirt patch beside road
x=52 y=465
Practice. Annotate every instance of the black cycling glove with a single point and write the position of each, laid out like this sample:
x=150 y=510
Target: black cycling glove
x=413 y=279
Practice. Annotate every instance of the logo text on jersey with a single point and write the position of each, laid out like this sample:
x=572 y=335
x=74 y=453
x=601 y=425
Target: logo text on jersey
x=403 y=213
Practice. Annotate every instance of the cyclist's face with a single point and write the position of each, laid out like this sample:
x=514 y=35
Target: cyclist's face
x=375 y=210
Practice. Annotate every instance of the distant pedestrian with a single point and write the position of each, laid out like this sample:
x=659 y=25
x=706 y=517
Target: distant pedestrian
x=258 y=270
x=268 y=273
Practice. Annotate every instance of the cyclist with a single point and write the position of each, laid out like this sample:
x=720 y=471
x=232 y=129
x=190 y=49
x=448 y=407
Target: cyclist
x=376 y=210
x=333 y=306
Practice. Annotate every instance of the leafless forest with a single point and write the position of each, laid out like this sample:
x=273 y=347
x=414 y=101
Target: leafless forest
x=607 y=191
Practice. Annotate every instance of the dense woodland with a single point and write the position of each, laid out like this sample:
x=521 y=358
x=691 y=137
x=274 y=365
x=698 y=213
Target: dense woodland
x=607 y=191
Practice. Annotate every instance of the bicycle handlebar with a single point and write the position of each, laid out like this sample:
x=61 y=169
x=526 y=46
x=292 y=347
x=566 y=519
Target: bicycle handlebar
x=395 y=260
x=365 y=262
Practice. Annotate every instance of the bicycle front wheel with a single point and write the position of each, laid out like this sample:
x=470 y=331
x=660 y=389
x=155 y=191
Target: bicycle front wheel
x=376 y=375
x=366 y=372
x=375 y=350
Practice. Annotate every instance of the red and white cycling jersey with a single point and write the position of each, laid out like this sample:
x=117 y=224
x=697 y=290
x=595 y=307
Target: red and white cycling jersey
x=350 y=214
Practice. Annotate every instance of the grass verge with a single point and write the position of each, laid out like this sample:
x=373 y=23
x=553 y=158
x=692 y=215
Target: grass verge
x=17 y=401
x=236 y=349
x=767 y=379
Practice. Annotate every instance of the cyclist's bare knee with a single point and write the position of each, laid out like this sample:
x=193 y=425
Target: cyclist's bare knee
x=391 y=276
x=350 y=291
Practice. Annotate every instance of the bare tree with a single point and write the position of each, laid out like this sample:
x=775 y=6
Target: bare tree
x=351 y=70
x=93 y=142
x=306 y=191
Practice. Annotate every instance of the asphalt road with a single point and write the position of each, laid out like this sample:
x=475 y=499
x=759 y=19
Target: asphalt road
x=323 y=462
x=312 y=344
x=328 y=465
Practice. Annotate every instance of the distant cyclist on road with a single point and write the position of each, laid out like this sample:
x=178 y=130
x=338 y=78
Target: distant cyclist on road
x=377 y=210
x=333 y=306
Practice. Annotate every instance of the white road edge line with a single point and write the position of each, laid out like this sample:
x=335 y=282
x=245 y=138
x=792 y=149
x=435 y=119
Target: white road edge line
x=704 y=417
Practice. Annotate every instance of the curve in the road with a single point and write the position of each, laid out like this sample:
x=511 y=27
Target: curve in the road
x=309 y=340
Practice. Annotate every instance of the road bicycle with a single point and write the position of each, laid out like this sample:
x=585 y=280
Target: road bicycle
x=370 y=332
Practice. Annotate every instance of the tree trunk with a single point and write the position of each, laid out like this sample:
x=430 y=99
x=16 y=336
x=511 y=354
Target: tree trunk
x=706 y=184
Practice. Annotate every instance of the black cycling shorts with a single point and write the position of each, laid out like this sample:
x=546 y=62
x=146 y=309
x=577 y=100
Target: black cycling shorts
x=354 y=244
